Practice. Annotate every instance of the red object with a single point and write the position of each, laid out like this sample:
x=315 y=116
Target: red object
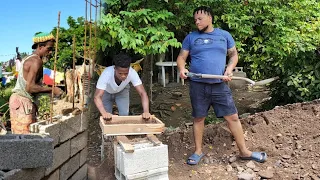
x=47 y=80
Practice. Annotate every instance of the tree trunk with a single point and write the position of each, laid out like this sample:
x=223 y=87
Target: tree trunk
x=147 y=73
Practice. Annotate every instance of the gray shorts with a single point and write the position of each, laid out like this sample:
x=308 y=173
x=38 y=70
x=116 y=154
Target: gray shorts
x=121 y=99
x=218 y=95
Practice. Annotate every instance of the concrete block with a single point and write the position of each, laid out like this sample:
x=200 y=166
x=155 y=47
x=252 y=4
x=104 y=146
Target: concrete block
x=84 y=121
x=155 y=174
x=53 y=130
x=145 y=157
x=81 y=174
x=79 y=142
x=25 y=151
x=54 y=176
x=70 y=167
x=25 y=174
x=70 y=127
x=60 y=155
x=83 y=156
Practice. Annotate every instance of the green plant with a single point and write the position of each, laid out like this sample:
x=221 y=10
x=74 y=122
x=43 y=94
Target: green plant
x=44 y=107
x=212 y=119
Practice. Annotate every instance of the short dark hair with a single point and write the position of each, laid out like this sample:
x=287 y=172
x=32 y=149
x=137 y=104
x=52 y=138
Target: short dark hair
x=204 y=9
x=122 y=60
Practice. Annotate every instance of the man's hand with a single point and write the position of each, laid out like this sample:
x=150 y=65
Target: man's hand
x=183 y=73
x=229 y=74
x=146 y=115
x=107 y=116
x=57 y=91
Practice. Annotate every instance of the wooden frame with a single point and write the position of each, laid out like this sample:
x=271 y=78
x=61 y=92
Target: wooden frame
x=131 y=125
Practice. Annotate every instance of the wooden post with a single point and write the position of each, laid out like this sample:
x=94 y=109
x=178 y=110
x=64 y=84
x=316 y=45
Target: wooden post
x=55 y=68
x=74 y=69
x=84 y=52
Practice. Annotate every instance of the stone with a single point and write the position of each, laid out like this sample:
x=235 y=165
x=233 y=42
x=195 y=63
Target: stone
x=267 y=174
x=286 y=156
x=232 y=159
x=245 y=176
x=229 y=168
x=278 y=163
x=240 y=169
x=251 y=165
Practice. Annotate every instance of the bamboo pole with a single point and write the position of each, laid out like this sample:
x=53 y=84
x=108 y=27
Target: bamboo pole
x=55 y=67
x=74 y=69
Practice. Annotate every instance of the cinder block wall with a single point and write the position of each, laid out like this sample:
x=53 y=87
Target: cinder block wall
x=70 y=137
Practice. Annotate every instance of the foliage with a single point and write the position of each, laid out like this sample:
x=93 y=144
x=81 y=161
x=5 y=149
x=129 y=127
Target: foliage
x=212 y=119
x=5 y=93
x=277 y=38
x=274 y=38
x=44 y=107
x=138 y=26
x=65 y=51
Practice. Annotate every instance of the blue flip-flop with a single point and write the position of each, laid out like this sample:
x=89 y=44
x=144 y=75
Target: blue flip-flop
x=256 y=156
x=194 y=159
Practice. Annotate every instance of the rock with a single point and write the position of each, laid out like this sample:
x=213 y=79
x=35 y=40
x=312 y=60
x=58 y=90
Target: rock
x=279 y=135
x=256 y=169
x=286 y=156
x=286 y=165
x=314 y=177
x=278 y=163
x=229 y=168
x=206 y=160
x=208 y=171
x=250 y=171
x=251 y=165
x=234 y=165
x=240 y=169
x=266 y=174
x=314 y=166
x=298 y=145
x=245 y=176
x=232 y=159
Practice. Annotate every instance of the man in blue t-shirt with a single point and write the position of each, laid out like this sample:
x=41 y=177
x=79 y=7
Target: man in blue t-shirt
x=208 y=48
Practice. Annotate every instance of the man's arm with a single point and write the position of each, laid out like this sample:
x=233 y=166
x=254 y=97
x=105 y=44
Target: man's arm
x=34 y=65
x=181 y=61
x=144 y=100
x=232 y=63
x=98 y=101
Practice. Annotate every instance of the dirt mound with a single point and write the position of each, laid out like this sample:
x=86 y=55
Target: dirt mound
x=289 y=134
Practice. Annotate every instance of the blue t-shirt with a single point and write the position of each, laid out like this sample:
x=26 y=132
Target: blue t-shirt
x=208 y=52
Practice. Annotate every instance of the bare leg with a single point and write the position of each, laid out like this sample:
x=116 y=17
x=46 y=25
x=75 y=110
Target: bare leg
x=237 y=132
x=198 y=127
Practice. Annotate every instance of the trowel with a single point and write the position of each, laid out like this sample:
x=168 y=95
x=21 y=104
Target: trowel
x=252 y=83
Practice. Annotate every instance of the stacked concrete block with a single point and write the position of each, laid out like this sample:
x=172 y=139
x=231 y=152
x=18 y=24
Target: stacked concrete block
x=146 y=162
x=68 y=147
x=25 y=151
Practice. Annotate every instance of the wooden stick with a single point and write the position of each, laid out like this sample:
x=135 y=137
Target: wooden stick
x=125 y=144
x=74 y=69
x=55 y=67
x=84 y=52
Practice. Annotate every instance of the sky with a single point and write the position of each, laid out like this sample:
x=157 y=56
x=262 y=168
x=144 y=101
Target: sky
x=21 y=19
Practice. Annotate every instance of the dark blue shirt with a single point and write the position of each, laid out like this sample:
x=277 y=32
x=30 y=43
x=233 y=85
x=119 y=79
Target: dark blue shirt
x=208 y=52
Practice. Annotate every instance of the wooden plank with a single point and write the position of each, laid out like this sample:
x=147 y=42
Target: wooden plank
x=143 y=127
x=153 y=139
x=125 y=144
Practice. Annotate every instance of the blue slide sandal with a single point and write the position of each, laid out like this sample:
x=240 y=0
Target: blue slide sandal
x=194 y=159
x=256 y=156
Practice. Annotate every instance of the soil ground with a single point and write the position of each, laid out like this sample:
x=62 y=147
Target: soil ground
x=288 y=134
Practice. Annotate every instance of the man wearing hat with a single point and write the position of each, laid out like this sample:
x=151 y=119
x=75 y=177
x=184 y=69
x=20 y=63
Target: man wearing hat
x=22 y=107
